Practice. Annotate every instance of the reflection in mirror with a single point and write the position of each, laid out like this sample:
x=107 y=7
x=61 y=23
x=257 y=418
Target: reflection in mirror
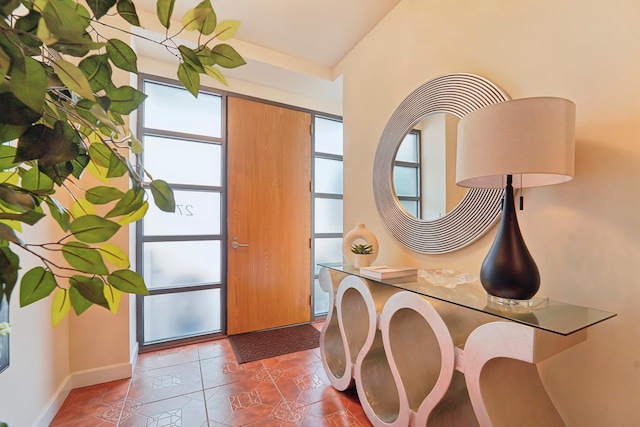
x=424 y=168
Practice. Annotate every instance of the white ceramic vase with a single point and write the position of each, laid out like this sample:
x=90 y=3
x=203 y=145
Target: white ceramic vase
x=358 y=235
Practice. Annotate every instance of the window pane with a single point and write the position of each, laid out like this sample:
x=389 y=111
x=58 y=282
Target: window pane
x=168 y=264
x=328 y=176
x=175 y=109
x=410 y=206
x=179 y=315
x=197 y=213
x=327 y=250
x=320 y=299
x=328 y=136
x=328 y=216
x=174 y=160
x=408 y=150
x=405 y=180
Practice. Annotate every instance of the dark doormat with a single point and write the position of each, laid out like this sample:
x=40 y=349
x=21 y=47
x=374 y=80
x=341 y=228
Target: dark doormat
x=260 y=345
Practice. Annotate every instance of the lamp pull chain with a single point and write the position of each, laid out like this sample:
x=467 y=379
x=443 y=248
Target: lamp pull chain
x=521 y=199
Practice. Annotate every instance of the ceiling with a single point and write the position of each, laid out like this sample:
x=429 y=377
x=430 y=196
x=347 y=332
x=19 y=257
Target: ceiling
x=319 y=33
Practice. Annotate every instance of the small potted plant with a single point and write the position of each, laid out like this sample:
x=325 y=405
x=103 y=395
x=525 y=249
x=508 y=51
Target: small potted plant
x=363 y=254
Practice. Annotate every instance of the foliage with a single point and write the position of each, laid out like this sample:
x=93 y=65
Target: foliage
x=61 y=115
x=361 y=249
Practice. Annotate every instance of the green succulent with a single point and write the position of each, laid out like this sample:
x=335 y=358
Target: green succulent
x=361 y=249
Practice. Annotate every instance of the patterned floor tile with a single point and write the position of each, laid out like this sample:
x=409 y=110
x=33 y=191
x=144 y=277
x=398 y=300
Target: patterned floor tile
x=100 y=403
x=168 y=357
x=163 y=383
x=181 y=411
x=224 y=370
x=215 y=348
x=247 y=401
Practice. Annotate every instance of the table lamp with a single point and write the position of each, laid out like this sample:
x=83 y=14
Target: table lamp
x=526 y=142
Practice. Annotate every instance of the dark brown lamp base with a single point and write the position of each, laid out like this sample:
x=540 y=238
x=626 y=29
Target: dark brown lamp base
x=509 y=270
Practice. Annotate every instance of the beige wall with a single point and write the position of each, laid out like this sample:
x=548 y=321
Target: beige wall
x=584 y=235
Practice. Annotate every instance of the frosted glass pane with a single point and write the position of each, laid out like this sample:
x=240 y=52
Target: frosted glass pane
x=328 y=136
x=172 y=264
x=197 y=213
x=320 y=300
x=172 y=316
x=174 y=109
x=408 y=150
x=405 y=181
x=328 y=176
x=179 y=161
x=327 y=250
x=328 y=216
x=410 y=206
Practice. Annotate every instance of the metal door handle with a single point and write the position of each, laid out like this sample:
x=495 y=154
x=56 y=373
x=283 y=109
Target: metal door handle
x=236 y=245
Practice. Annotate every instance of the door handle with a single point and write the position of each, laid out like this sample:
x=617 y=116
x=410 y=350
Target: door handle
x=236 y=245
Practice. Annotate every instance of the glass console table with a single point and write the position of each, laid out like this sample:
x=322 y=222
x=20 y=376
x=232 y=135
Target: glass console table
x=545 y=314
x=420 y=354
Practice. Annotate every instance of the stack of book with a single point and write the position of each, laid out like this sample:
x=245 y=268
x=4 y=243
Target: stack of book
x=384 y=272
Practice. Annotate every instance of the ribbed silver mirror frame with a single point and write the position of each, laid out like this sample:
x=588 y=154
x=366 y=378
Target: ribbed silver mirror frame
x=458 y=94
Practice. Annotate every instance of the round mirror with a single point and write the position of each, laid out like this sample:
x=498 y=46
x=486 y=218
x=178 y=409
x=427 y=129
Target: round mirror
x=452 y=94
x=424 y=168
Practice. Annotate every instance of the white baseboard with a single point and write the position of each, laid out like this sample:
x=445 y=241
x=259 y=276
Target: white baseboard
x=82 y=379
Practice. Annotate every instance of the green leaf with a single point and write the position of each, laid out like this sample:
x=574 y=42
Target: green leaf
x=134 y=216
x=202 y=18
x=58 y=213
x=204 y=56
x=7 y=154
x=114 y=255
x=227 y=29
x=93 y=229
x=9 y=266
x=117 y=166
x=8 y=234
x=58 y=173
x=79 y=303
x=50 y=146
x=122 y=55
x=36 y=284
x=8 y=6
x=125 y=99
x=60 y=306
x=100 y=7
x=189 y=78
x=164 y=10
x=36 y=182
x=30 y=85
x=131 y=202
x=28 y=217
x=65 y=19
x=102 y=195
x=17 y=200
x=216 y=74
x=84 y=258
x=90 y=288
x=73 y=78
x=128 y=281
x=100 y=154
x=191 y=58
x=10 y=132
x=15 y=112
x=163 y=195
x=78 y=47
x=127 y=10
x=98 y=71
x=5 y=64
x=226 y=56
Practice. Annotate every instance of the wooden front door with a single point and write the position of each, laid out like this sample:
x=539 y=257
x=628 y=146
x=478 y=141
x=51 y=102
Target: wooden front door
x=269 y=175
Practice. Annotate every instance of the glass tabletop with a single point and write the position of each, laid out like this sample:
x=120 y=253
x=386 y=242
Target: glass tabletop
x=540 y=313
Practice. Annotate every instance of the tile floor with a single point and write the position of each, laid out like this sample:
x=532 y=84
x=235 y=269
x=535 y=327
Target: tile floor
x=202 y=385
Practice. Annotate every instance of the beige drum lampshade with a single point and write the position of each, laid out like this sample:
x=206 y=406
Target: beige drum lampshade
x=532 y=139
